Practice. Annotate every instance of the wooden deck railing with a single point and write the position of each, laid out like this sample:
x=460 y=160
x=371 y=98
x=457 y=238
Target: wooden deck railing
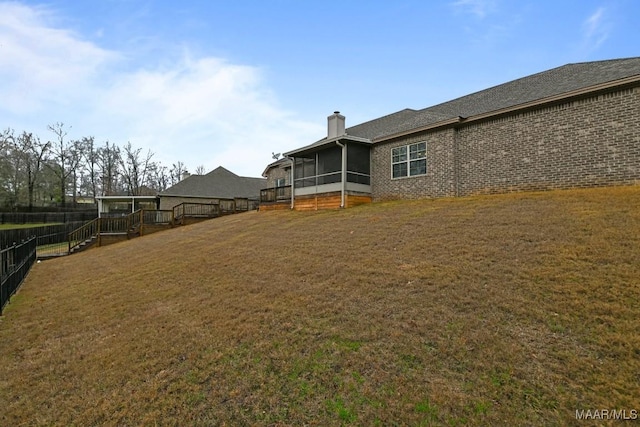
x=84 y=233
x=116 y=225
x=213 y=209
x=196 y=210
x=275 y=194
x=163 y=217
x=134 y=223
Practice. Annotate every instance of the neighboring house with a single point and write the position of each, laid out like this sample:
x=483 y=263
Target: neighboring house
x=573 y=126
x=211 y=188
x=277 y=195
x=123 y=205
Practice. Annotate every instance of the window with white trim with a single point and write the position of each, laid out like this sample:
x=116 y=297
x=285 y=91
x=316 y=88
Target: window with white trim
x=280 y=182
x=409 y=160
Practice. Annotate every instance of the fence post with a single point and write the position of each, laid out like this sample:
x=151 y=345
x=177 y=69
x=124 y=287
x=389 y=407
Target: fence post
x=98 y=231
x=141 y=222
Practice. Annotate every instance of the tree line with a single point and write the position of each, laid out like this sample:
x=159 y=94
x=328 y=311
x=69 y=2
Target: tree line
x=56 y=172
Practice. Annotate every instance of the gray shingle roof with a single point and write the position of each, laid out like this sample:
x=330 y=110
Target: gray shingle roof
x=379 y=126
x=551 y=83
x=554 y=82
x=219 y=183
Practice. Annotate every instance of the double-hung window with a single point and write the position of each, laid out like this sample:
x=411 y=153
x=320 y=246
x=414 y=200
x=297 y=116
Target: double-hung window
x=409 y=160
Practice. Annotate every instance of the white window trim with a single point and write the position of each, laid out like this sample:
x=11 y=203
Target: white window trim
x=409 y=160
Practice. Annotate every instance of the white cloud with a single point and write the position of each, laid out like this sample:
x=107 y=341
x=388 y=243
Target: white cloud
x=596 y=30
x=492 y=26
x=40 y=64
x=202 y=111
x=197 y=110
x=478 y=8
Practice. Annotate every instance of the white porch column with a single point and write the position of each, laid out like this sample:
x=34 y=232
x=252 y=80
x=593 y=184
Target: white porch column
x=343 y=174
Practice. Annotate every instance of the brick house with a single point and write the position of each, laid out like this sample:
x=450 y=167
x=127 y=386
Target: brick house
x=577 y=125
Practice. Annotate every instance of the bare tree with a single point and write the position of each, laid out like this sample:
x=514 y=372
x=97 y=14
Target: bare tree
x=31 y=170
x=136 y=169
x=46 y=189
x=177 y=172
x=109 y=160
x=34 y=154
x=76 y=156
x=10 y=165
x=91 y=160
x=160 y=177
x=66 y=155
x=200 y=170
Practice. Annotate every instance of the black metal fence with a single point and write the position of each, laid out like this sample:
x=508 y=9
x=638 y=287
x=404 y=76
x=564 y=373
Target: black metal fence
x=15 y=263
x=46 y=234
x=54 y=239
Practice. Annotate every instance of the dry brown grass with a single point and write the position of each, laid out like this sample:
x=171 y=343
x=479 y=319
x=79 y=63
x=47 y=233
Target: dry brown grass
x=499 y=310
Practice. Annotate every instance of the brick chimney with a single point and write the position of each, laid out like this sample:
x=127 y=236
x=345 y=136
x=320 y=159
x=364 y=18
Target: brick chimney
x=335 y=124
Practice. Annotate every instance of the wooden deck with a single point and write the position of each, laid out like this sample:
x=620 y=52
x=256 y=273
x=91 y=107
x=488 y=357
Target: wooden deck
x=319 y=201
x=106 y=230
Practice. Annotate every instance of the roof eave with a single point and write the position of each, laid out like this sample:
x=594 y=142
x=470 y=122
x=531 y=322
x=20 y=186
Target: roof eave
x=319 y=146
x=273 y=165
x=627 y=81
x=431 y=126
x=125 y=197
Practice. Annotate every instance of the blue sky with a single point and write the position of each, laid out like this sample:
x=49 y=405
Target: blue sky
x=226 y=83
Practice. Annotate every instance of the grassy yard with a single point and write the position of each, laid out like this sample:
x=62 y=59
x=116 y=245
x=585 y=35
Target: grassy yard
x=16 y=226
x=501 y=310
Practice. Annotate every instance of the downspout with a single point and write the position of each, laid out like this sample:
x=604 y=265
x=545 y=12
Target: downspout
x=456 y=156
x=456 y=163
x=343 y=173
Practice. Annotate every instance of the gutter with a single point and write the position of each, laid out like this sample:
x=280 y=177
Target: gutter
x=326 y=142
x=559 y=98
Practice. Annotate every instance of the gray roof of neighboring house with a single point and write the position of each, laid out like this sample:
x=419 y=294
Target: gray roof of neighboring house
x=554 y=82
x=219 y=183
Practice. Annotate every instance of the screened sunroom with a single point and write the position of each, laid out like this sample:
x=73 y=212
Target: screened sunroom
x=322 y=168
x=337 y=167
x=334 y=172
